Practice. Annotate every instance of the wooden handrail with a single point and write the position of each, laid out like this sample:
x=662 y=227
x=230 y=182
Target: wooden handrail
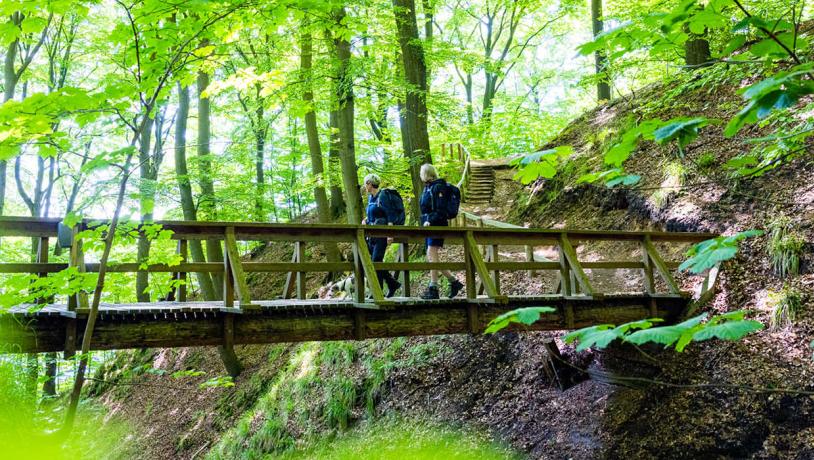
x=489 y=233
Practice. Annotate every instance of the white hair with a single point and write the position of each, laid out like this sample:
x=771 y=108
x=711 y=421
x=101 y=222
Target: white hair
x=373 y=180
x=428 y=173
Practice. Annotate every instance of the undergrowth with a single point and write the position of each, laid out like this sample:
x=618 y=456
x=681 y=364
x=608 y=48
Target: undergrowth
x=785 y=246
x=785 y=305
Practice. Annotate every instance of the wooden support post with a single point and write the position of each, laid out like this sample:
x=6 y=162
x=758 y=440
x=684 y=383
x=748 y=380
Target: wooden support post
x=182 y=277
x=78 y=301
x=443 y=151
x=473 y=318
x=660 y=266
x=571 y=256
x=235 y=279
x=649 y=284
x=471 y=287
x=359 y=332
x=299 y=248
x=368 y=269
x=404 y=256
x=530 y=258
x=565 y=274
x=42 y=258
x=227 y=351
x=70 y=338
x=480 y=268
x=290 y=278
x=460 y=152
x=494 y=256
x=358 y=271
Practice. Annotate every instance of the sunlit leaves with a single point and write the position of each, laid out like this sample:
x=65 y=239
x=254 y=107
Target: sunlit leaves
x=527 y=316
x=541 y=164
x=780 y=91
x=728 y=326
x=682 y=129
x=707 y=254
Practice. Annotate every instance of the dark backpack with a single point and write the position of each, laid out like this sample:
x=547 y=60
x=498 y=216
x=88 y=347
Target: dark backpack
x=447 y=199
x=390 y=200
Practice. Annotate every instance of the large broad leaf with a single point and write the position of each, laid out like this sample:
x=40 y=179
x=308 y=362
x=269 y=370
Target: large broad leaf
x=541 y=164
x=665 y=335
x=683 y=129
x=706 y=254
x=728 y=330
x=527 y=316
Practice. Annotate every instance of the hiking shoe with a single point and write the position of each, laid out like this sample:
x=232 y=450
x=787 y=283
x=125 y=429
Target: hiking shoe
x=454 y=288
x=392 y=287
x=431 y=293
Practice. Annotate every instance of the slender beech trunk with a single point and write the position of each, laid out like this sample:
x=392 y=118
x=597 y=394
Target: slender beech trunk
x=146 y=197
x=334 y=166
x=314 y=148
x=185 y=188
x=602 y=87
x=414 y=136
x=259 y=162
x=214 y=252
x=345 y=111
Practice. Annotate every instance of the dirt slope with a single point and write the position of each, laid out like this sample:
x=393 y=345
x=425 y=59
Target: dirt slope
x=721 y=405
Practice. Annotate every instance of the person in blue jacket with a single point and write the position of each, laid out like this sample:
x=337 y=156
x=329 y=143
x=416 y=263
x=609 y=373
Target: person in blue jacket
x=431 y=215
x=376 y=215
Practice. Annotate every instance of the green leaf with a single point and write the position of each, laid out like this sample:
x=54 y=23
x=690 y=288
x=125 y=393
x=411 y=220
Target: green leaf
x=527 y=316
x=729 y=330
x=706 y=254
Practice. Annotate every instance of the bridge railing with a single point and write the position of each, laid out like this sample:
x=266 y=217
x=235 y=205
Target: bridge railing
x=482 y=273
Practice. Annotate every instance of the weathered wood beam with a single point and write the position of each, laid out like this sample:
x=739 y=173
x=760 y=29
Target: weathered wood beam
x=660 y=266
x=480 y=267
x=237 y=275
x=576 y=267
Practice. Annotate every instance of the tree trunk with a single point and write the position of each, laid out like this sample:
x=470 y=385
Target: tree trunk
x=696 y=52
x=602 y=86
x=314 y=148
x=9 y=86
x=345 y=111
x=146 y=197
x=214 y=252
x=185 y=189
x=259 y=153
x=334 y=166
x=414 y=136
x=49 y=387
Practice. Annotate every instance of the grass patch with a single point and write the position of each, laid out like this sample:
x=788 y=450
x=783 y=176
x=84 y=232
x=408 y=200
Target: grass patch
x=397 y=440
x=785 y=305
x=785 y=246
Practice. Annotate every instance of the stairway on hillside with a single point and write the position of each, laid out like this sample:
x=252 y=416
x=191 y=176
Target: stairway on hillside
x=481 y=186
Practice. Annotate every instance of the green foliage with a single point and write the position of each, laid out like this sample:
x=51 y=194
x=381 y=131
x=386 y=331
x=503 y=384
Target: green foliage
x=527 y=316
x=706 y=161
x=728 y=326
x=707 y=254
x=785 y=246
x=785 y=305
x=779 y=91
x=541 y=164
x=681 y=129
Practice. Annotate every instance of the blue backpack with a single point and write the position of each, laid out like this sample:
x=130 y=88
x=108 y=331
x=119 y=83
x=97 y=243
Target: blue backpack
x=447 y=199
x=390 y=200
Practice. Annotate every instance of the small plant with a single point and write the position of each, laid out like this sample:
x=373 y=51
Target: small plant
x=785 y=305
x=706 y=161
x=785 y=246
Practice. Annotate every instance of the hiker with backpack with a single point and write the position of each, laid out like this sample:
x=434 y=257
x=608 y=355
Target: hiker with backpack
x=384 y=207
x=439 y=202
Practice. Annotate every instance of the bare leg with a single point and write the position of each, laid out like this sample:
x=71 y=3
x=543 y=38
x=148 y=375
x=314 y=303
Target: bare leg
x=432 y=256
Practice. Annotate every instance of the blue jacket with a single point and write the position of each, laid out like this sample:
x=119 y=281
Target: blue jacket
x=376 y=215
x=427 y=204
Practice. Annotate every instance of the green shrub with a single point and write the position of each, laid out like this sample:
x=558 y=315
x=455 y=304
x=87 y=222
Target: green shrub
x=706 y=161
x=785 y=305
x=785 y=247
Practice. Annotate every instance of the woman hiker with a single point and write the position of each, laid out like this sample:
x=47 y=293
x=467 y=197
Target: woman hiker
x=433 y=214
x=377 y=215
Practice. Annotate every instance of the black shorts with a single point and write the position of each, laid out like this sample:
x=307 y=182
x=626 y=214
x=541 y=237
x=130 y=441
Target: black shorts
x=437 y=242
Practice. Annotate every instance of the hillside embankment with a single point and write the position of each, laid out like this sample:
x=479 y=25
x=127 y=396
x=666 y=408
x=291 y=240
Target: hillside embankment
x=720 y=402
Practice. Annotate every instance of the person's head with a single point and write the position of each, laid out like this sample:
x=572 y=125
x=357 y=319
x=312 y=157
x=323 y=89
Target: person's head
x=372 y=183
x=428 y=173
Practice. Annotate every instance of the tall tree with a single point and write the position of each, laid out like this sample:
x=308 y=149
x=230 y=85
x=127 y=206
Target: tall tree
x=214 y=251
x=343 y=90
x=314 y=148
x=602 y=86
x=185 y=188
x=414 y=136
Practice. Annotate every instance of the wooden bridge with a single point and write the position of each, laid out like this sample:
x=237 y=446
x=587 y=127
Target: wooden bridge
x=240 y=319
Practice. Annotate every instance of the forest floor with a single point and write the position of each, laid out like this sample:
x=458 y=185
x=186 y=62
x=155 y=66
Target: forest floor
x=722 y=401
